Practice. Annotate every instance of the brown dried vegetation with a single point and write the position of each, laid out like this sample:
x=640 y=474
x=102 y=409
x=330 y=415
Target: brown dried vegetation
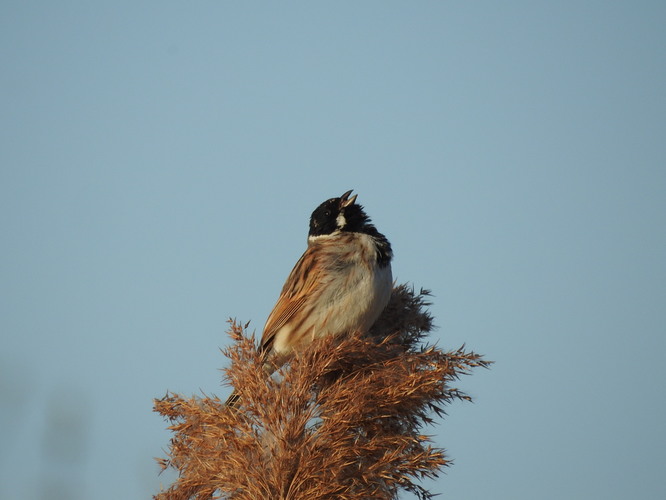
x=341 y=421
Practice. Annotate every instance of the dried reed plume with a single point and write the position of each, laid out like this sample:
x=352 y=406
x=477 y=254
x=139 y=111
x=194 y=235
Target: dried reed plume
x=342 y=421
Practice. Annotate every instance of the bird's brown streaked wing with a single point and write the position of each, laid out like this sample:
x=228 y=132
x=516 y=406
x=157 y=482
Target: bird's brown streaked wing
x=301 y=283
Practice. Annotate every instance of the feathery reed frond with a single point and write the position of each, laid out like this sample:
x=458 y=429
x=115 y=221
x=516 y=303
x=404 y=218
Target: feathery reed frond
x=343 y=420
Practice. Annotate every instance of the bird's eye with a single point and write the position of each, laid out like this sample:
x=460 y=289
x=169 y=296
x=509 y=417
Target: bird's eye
x=327 y=213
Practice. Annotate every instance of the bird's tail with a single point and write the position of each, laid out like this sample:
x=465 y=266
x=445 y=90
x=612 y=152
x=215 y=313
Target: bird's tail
x=233 y=399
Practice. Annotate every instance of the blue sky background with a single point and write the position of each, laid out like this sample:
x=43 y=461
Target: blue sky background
x=159 y=162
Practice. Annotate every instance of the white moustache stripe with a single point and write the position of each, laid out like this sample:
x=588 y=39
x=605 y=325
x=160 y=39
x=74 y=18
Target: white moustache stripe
x=312 y=238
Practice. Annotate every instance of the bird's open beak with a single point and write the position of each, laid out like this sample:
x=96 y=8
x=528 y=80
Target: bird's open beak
x=345 y=200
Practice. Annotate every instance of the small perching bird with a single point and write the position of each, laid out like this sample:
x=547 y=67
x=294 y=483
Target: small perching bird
x=341 y=284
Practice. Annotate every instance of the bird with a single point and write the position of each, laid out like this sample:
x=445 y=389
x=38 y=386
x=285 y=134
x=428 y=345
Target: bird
x=340 y=285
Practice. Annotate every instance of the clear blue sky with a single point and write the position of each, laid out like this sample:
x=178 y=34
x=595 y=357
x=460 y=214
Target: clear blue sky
x=159 y=162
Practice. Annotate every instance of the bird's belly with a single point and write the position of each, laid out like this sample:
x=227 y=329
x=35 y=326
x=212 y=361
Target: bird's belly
x=358 y=305
x=352 y=305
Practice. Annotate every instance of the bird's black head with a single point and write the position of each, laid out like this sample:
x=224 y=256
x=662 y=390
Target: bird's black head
x=343 y=214
x=338 y=214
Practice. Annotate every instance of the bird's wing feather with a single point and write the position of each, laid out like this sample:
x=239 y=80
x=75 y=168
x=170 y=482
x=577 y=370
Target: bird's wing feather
x=302 y=283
